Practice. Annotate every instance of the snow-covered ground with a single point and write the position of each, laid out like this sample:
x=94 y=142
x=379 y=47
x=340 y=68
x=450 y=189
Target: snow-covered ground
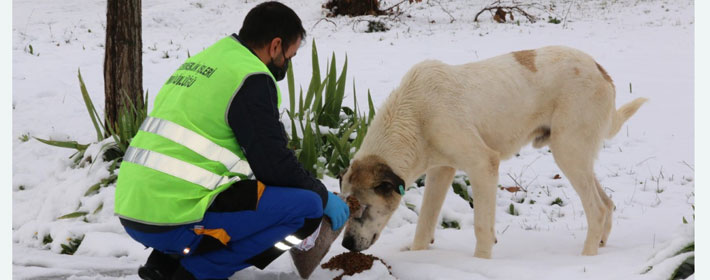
x=648 y=169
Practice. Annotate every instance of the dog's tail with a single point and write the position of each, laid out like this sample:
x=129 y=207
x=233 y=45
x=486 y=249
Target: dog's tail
x=623 y=114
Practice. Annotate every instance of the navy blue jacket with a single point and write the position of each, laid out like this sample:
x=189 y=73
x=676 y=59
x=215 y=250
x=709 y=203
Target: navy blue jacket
x=253 y=115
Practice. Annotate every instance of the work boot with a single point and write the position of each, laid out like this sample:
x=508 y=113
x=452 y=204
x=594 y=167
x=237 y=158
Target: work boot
x=159 y=266
x=182 y=274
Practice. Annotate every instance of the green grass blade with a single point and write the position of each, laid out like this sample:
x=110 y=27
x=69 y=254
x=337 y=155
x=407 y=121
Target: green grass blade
x=355 y=109
x=315 y=76
x=295 y=142
x=300 y=105
x=372 y=107
x=328 y=119
x=308 y=152
x=339 y=94
x=291 y=88
x=74 y=215
x=64 y=144
x=90 y=108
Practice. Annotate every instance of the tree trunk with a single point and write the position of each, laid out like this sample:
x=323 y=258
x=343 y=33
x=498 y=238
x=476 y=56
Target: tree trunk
x=123 y=69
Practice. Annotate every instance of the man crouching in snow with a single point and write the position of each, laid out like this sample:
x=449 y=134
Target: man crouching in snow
x=186 y=186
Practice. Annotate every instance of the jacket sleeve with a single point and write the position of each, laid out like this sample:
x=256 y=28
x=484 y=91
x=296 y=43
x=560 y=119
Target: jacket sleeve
x=254 y=118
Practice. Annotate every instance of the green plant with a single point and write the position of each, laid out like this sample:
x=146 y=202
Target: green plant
x=376 y=26
x=129 y=120
x=684 y=220
x=460 y=186
x=99 y=208
x=105 y=182
x=512 y=210
x=47 y=239
x=31 y=50
x=24 y=137
x=450 y=224
x=321 y=109
x=557 y=201
x=71 y=247
x=76 y=214
x=553 y=20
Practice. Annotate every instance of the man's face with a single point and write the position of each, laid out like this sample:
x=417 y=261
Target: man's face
x=280 y=54
x=280 y=57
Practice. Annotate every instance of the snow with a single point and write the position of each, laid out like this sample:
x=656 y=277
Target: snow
x=648 y=169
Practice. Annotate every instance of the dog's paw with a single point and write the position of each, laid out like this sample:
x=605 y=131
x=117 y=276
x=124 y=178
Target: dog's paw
x=415 y=247
x=482 y=254
x=589 y=252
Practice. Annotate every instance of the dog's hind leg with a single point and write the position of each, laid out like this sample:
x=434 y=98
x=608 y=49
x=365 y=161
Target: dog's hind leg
x=607 y=222
x=574 y=151
x=438 y=181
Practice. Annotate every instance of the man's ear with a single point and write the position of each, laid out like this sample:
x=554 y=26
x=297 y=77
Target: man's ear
x=274 y=47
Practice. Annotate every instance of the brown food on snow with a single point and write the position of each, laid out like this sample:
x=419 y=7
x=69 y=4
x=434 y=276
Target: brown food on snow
x=351 y=263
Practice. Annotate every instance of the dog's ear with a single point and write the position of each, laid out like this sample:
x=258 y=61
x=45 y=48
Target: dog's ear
x=386 y=188
x=389 y=183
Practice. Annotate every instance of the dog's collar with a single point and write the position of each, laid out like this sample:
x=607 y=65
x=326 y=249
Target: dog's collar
x=401 y=190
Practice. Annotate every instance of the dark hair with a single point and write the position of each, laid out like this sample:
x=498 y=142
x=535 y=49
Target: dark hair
x=269 y=20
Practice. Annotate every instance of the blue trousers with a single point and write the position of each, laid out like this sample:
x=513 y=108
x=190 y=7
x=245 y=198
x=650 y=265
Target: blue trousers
x=253 y=233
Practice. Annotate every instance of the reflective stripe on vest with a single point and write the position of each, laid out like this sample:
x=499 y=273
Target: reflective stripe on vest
x=184 y=170
x=196 y=143
x=177 y=168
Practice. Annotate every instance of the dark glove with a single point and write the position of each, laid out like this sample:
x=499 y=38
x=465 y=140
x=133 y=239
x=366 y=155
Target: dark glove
x=336 y=210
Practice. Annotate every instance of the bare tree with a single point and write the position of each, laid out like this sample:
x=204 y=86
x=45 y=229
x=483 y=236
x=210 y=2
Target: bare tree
x=123 y=68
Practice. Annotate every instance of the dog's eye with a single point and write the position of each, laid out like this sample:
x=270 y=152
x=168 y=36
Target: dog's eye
x=384 y=189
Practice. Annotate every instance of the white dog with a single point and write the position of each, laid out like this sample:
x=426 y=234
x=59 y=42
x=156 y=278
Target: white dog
x=444 y=118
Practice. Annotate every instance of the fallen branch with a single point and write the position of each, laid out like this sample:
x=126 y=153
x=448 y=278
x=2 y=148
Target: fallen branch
x=314 y=25
x=501 y=11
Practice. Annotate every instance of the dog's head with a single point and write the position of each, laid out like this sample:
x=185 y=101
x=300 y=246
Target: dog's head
x=377 y=188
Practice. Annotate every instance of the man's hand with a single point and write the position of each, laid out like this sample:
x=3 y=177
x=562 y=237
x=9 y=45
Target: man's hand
x=337 y=211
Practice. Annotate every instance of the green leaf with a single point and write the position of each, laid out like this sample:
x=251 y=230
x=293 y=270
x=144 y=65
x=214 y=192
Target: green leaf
x=74 y=215
x=90 y=108
x=101 y=206
x=371 y=105
x=294 y=143
x=329 y=95
x=93 y=189
x=308 y=152
x=411 y=206
x=339 y=92
x=64 y=144
x=315 y=76
x=291 y=88
x=300 y=105
x=355 y=109
x=47 y=239
x=450 y=224
x=318 y=104
x=70 y=249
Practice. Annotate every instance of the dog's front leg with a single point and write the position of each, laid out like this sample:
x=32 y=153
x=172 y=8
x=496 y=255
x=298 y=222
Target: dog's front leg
x=438 y=181
x=484 y=177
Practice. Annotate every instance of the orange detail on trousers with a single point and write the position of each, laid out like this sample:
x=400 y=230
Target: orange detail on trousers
x=219 y=234
x=259 y=191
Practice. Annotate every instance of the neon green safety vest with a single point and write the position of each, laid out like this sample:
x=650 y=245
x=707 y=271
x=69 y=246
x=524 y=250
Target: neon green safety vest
x=185 y=153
